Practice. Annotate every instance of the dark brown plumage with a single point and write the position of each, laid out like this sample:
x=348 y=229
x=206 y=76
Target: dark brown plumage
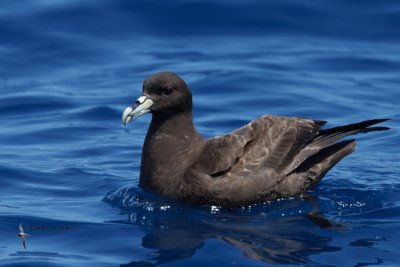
x=269 y=158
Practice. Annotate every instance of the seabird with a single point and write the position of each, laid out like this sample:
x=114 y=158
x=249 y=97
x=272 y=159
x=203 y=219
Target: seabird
x=271 y=157
x=22 y=235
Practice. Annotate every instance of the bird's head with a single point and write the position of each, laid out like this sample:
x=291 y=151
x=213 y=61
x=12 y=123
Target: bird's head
x=164 y=94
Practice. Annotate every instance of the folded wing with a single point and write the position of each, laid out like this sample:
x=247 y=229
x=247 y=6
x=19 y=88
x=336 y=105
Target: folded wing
x=261 y=159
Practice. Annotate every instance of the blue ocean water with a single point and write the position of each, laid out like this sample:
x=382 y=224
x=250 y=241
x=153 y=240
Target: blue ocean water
x=69 y=169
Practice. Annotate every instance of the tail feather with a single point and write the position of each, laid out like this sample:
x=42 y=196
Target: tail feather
x=319 y=164
x=352 y=127
x=373 y=129
x=322 y=153
x=328 y=137
x=312 y=170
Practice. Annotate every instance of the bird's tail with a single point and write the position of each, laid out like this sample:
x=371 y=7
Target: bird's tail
x=354 y=128
x=311 y=171
x=329 y=153
x=315 y=167
x=332 y=152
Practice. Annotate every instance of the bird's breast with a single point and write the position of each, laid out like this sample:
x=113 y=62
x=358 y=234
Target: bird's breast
x=167 y=157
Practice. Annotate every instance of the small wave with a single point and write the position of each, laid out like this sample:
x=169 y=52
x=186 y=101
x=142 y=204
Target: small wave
x=48 y=255
x=99 y=112
x=23 y=105
x=340 y=63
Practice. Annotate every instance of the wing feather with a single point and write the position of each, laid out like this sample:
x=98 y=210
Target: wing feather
x=24 y=241
x=221 y=153
x=267 y=142
x=253 y=162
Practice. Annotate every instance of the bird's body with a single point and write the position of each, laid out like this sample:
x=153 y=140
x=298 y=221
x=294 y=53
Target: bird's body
x=23 y=235
x=269 y=158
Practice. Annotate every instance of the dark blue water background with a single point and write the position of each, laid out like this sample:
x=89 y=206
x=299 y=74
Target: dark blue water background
x=68 y=69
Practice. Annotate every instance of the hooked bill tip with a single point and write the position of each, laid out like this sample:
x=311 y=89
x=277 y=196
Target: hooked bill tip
x=126 y=115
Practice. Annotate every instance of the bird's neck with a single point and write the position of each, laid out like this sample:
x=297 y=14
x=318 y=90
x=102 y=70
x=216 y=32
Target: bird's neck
x=172 y=124
x=170 y=140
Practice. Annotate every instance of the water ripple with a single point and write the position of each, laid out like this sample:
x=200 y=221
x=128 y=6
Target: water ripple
x=70 y=67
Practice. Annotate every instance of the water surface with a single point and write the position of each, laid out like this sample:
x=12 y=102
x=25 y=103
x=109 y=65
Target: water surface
x=68 y=69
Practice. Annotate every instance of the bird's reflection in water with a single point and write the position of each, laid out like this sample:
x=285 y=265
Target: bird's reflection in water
x=261 y=233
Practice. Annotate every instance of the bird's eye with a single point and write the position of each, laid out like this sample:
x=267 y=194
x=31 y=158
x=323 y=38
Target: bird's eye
x=168 y=90
x=164 y=91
